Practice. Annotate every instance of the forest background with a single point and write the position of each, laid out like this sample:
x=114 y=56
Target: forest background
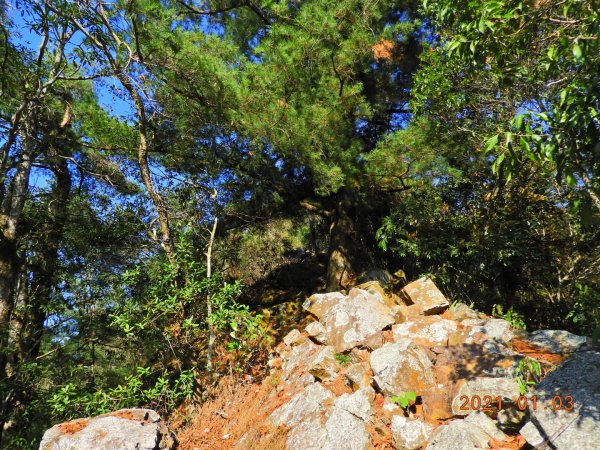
x=177 y=175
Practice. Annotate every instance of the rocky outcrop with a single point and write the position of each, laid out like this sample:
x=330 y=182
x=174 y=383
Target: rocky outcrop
x=126 y=429
x=374 y=370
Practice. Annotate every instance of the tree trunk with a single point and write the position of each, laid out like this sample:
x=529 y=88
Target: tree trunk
x=342 y=267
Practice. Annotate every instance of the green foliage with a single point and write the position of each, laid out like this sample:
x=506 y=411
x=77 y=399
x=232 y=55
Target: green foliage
x=70 y=401
x=342 y=359
x=511 y=316
x=528 y=374
x=404 y=399
x=545 y=56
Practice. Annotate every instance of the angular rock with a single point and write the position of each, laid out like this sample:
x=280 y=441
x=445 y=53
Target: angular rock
x=324 y=365
x=374 y=288
x=351 y=322
x=401 y=367
x=298 y=356
x=345 y=425
x=428 y=331
x=409 y=434
x=308 y=435
x=319 y=304
x=555 y=341
x=304 y=404
x=489 y=329
x=126 y=429
x=411 y=311
x=506 y=388
x=424 y=292
x=359 y=376
x=294 y=337
x=460 y=311
x=465 y=434
x=437 y=402
x=318 y=332
x=579 y=428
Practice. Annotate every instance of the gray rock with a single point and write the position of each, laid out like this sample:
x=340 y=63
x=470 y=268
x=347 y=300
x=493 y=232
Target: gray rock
x=579 y=428
x=465 y=434
x=319 y=304
x=126 y=429
x=324 y=365
x=507 y=388
x=345 y=425
x=424 y=292
x=556 y=341
x=429 y=331
x=490 y=329
x=352 y=321
x=409 y=434
x=401 y=367
x=357 y=404
x=308 y=435
x=307 y=403
x=318 y=332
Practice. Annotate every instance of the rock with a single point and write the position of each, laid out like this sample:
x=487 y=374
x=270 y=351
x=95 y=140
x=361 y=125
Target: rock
x=294 y=337
x=411 y=311
x=324 y=365
x=308 y=402
x=556 y=341
x=409 y=434
x=489 y=329
x=298 y=357
x=401 y=367
x=375 y=288
x=437 y=402
x=506 y=388
x=126 y=429
x=425 y=293
x=319 y=304
x=359 y=376
x=510 y=419
x=351 y=322
x=308 y=435
x=428 y=331
x=345 y=425
x=579 y=428
x=460 y=311
x=318 y=332
x=469 y=434
x=484 y=423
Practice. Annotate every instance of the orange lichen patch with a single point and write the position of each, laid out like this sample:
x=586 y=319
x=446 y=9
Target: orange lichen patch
x=73 y=426
x=535 y=352
x=511 y=443
x=383 y=49
x=129 y=415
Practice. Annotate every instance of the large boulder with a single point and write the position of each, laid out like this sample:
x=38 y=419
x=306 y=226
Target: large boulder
x=356 y=320
x=567 y=412
x=425 y=293
x=401 y=367
x=126 y=429
x=319 y=304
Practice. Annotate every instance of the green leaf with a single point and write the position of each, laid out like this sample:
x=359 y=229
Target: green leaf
x=491 y=143
x=577 y=51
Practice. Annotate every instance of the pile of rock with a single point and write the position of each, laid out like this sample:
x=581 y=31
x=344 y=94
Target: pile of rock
x=375 y=369
x=369 y=352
